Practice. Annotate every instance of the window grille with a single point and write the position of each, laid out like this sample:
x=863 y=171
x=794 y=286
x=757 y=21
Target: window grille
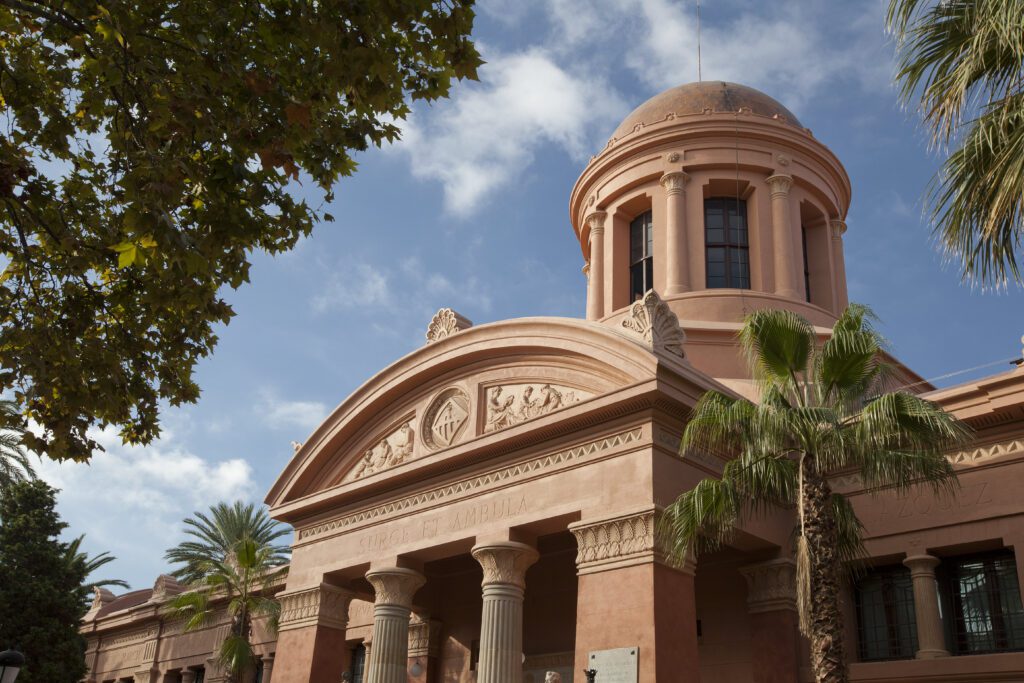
x=358 y=663
x=641 y=256
x=887 y=628
x=986 y=604
x=726 y=244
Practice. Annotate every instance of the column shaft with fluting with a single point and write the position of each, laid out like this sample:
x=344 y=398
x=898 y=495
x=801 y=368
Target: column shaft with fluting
x=595 y=285
x=677 y=278
x=393 y=588
x=931 y=642
x=787 y=282
x=501 y=632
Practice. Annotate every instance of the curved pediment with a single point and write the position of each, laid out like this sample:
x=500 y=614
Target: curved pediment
x=460 y=390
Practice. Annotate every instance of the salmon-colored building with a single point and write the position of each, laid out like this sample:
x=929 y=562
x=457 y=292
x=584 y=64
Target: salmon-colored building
x=483 y=509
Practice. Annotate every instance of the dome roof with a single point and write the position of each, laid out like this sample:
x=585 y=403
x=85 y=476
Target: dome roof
x=695 y=98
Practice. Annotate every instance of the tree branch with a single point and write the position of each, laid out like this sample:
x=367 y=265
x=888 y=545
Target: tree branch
x=45 y=13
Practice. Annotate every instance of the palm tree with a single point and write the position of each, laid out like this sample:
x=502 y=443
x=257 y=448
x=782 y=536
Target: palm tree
x=962 y=62
x=234 y=559
x=73 y=554
x=823 y=410
x=15 y=465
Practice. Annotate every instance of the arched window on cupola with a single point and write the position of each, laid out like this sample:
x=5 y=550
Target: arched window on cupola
x=726 y=243
x=641 y=255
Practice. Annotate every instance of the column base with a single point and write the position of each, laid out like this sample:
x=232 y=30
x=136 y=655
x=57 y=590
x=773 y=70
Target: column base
x=931 y=654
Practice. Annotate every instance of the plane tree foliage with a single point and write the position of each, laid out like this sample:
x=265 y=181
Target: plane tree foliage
x=147 y=149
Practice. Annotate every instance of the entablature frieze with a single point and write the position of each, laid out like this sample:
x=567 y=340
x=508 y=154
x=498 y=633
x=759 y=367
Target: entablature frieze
x=323 y=605
x=466 y=487
x=624 y=540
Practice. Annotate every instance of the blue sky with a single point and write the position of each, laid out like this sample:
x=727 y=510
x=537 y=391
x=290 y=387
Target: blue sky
x=470 y=211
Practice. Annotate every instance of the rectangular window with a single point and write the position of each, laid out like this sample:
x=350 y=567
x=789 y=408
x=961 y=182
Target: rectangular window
x=641 y=255
x=986 y=604
x=726 y=246
x=887 y=628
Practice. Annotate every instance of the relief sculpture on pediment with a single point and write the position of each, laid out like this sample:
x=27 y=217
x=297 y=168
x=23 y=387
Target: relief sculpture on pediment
x=510 y=404
x=392 y=449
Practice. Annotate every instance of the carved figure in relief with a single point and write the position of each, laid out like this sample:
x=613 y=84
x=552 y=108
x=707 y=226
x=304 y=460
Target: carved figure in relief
x=385 y=454
x=405 y=439
x=524 y=402
x=500 y=411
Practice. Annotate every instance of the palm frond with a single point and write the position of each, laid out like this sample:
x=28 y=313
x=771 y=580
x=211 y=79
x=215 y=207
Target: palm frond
x=849 y=531
x=901 y=440
x=15 y=463
x=778 y=345
x=978 y=199
x=962 y=61
x=236 y=654
x=194 y=607
x=702 y=518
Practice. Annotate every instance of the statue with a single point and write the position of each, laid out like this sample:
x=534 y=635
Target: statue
x=552 y=677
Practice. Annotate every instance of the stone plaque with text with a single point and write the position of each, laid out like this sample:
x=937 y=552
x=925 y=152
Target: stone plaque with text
x=615 y=666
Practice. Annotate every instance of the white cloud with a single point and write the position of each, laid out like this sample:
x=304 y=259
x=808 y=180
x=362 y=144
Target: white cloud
x=557 y=92
x=411 y=291
x=280 y=413
x=353 y=286
x=491 y=131
x=131 y=500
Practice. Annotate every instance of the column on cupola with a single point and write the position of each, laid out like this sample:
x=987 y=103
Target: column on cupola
x=677 y=253
x=311 y=634
x=774 y=624
x=501 y=631
x=629 y=594
x=787 y=278
x=394 y=588
x=931 y=641
x=837 y=228
x=595 y=285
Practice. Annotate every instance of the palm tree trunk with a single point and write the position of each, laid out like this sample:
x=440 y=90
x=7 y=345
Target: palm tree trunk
x=828 y=657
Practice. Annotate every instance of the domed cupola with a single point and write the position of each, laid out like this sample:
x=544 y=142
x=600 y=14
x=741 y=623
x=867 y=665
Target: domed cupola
x=715 y=196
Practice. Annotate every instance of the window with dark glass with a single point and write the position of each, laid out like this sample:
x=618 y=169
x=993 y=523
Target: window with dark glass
x=807 y=267
x=886 y=625
x=358 y=665
x=985 y=603
x=200 y=675
x=259 y=671
x=725 y=243
x=641 y=259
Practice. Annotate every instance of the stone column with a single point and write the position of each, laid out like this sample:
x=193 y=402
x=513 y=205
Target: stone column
x=501 y=633
x=595 y=289
x=188 y=676
x=786 y=280
x=931 y=641
x=676 y=249
x=311 y=636
x=393 y=590
x=268 y=668
x=837 y=229
x=774 y=625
